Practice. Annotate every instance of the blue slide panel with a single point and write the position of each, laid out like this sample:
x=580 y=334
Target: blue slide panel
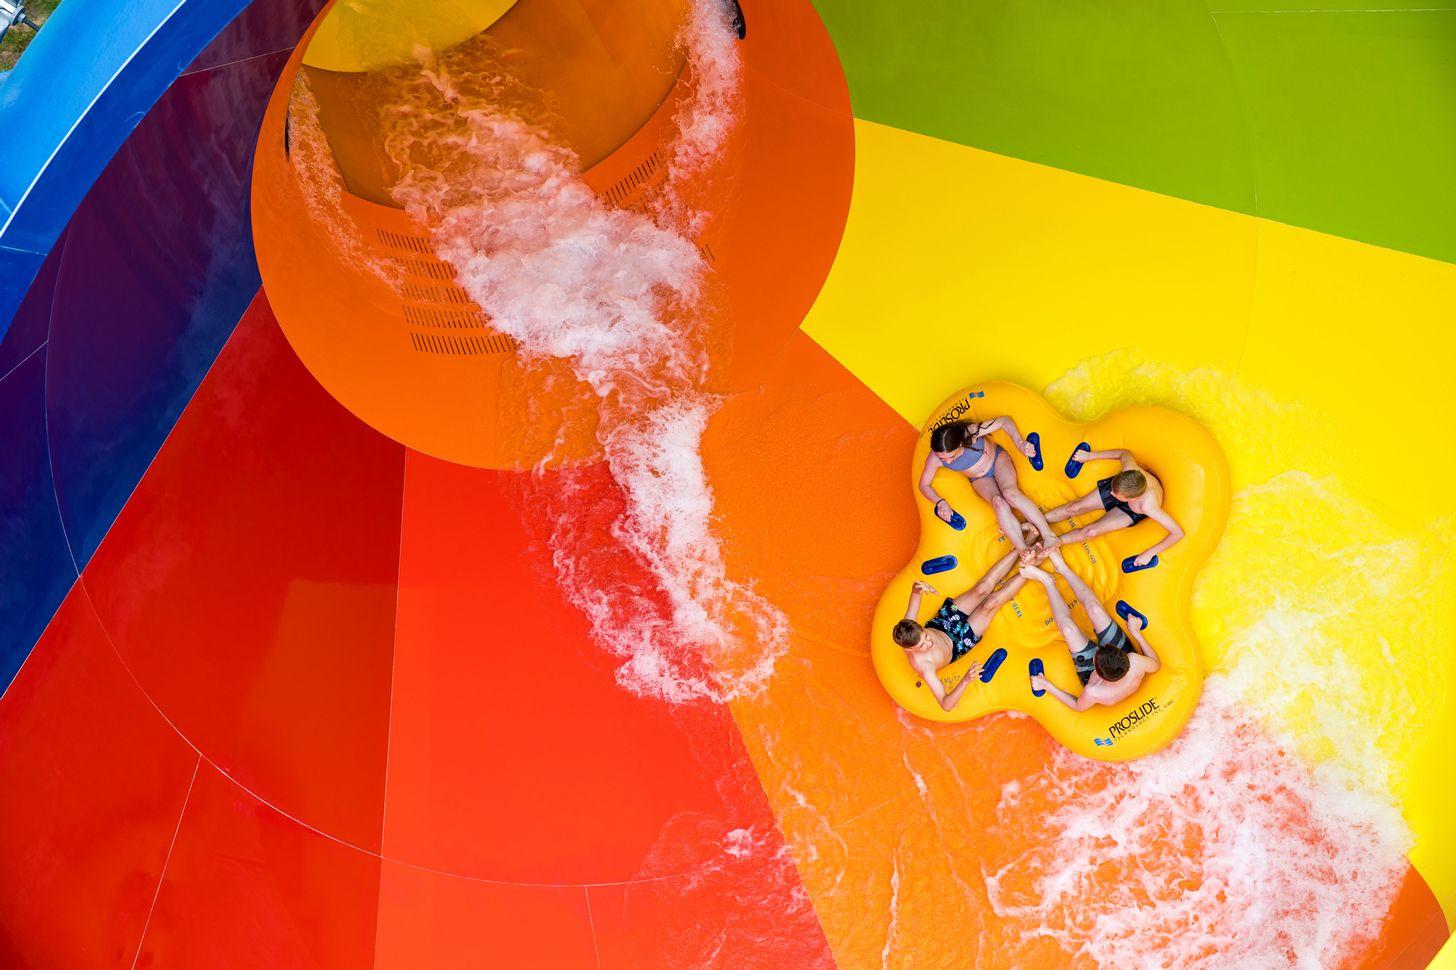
x=35 y=565
x=92 y=73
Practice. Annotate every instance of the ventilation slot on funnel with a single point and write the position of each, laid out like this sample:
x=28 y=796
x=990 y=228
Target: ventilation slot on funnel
x=408 y=244
x=634 y=189
x=441 y=316
x=630 y=191
x=462 y=345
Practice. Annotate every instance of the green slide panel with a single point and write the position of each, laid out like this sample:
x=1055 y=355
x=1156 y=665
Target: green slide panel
x=1337 y=115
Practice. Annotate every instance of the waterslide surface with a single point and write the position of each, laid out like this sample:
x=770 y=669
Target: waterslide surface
x=304 y=668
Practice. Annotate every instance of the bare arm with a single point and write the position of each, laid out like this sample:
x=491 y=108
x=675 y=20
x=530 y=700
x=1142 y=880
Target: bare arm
x=1113 y=454
x=932 y=465
x=918 y=589
x=1150 y=656
x=1081 y=703
x=1008 y=426
x=1174 y=536
x=949 y=701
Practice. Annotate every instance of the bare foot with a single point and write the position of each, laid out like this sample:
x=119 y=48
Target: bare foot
x=1035 y=573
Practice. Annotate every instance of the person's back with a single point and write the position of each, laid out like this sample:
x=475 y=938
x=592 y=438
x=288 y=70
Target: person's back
x=1103 y=690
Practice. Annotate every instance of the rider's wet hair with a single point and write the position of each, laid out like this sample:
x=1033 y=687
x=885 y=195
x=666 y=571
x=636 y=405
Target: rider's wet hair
x=907 y=633
x=949 y=437
x=1111 y=663
x=1130 y=484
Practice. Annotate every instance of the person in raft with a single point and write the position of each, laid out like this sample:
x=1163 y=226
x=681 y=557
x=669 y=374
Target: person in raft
x=1125 y=499
x=966 y=447
x=1111 y=667
x=956 y=627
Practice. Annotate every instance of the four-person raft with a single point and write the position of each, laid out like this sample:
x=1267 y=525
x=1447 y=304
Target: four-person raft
x=1024 y=637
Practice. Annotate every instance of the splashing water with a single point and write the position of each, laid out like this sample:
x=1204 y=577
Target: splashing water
x=318 y=174
x=1269 y=833
x=619 y=294
x=706 y=118
x=1226 y=849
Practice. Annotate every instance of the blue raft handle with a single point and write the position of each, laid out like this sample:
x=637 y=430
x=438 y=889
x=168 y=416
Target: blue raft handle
x=957 y=521
x=1074 y=467
x=1128 y=566
x=992 y=664
x=1125 y=611
x=1034 y=668
x=1034 y=439
x=940 y=564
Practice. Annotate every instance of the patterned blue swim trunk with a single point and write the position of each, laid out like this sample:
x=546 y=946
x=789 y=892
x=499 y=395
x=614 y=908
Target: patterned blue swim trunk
x=956 y=625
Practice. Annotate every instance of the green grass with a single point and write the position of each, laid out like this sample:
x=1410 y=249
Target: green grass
x=19 y=38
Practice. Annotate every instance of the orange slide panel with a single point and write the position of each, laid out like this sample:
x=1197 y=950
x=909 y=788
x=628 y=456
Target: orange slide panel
x=423 y=366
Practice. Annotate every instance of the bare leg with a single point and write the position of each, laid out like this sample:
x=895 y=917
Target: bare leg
x=1006 y=479
x=971 y=598
x=1110 y=521
x=1071 y=632
x=983 y=615
x=1096 y=612
x=1005 y=518
x=1090 y=502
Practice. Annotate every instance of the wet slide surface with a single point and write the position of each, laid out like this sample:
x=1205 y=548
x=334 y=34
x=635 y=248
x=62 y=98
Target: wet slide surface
x=317 y=698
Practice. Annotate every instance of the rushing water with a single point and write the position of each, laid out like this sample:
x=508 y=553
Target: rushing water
x=621 y=296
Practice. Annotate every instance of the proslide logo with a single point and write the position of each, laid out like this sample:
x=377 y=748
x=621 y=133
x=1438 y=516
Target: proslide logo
x=1132 y=719
x=958 y=410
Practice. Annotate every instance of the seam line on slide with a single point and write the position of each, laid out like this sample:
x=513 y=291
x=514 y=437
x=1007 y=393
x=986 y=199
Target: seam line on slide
x=81 y=583
x=161 y=876
x=592 y=925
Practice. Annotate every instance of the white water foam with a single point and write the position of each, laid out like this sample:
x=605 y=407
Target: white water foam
x=1226 y=849
x=706 y=118
x=618 y=294
x=323 y=187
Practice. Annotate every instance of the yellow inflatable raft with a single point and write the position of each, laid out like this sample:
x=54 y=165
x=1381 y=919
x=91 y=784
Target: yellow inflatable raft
x=1183 y=456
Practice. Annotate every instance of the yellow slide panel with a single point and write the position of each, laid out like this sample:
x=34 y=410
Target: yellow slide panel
x=363 y=35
